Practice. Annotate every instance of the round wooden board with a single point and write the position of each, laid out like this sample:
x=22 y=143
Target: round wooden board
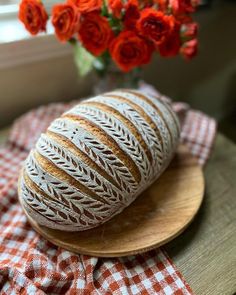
x=157 y=216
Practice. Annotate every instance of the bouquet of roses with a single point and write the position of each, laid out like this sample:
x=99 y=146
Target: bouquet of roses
x=128 y=32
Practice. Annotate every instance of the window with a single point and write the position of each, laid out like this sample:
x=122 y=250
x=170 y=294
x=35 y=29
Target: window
x=10 y=27
x=17 y=47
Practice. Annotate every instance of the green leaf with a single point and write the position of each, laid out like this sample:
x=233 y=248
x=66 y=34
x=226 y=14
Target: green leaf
x=83 y=59
x=104 y=9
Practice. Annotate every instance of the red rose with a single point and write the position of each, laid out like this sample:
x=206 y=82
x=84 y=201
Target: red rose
x=172 y=44
x=189 y=30
x=189 y=49
x=128 y=51
x=34 y=16
x=132 y=14
x=155 y=25
x=65 y=19
x=95 y=33
x=115 y=6
x=85 y=6
x=183 y=6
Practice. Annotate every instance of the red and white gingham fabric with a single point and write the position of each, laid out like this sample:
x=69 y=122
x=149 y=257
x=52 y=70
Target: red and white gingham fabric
x=31 y=265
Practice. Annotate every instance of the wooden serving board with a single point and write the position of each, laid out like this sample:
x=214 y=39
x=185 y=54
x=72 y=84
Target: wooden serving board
x=158 y=215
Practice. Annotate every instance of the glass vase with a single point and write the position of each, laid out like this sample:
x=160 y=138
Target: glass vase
x=113 y=78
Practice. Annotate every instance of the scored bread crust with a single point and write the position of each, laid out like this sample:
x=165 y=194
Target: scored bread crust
x=95 y=159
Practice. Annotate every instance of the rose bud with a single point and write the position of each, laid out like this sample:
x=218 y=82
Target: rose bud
x=189 y=49
x=189 y=30
x=115 y=6
x=183 y=6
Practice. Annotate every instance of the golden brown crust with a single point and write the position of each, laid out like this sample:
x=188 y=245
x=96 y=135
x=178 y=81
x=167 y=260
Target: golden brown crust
x=64 y=142
x=125 y=121
x=141 y=113
x=174 y=118
x=144 y=98
x=109 y=141
x=34 y=188
x=64 y=177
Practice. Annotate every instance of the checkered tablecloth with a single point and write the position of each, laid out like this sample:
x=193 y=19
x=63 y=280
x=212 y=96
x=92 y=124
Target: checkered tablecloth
x=31 y=265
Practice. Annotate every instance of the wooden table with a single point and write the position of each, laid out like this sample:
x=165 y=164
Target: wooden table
x=206 y=252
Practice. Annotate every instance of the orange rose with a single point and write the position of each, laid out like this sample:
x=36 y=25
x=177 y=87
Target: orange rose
x=115 y=6
x=131 y=14
x=171 y=46
x=85 y=6
x=65 y=19
x=128 y=51
x=95 y=33
x=155 y=25
x=34 y=16
x=189 y=49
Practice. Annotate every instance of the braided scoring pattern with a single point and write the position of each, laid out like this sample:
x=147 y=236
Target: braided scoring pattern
x=97 y=158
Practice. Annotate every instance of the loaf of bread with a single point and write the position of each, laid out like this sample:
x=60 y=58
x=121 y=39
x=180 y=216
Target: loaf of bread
x=95 y=159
